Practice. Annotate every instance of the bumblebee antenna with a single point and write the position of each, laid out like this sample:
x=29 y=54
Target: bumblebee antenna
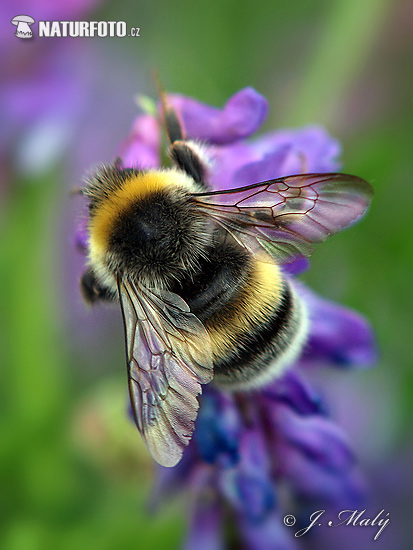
x=169 y=117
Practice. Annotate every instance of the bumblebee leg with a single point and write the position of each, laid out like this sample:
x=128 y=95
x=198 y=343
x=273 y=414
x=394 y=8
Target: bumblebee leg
x=185 y=154
x=187 y=159
x=172 y=124
x=92 y=290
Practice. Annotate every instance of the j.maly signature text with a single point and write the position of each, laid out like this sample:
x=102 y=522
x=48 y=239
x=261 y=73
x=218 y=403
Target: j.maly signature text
x=354 y=518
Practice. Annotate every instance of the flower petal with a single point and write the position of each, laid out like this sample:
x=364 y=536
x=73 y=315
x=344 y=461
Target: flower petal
x=274 y=155
x=316 y=437
x=141 y=148
x=291 y=390
x=217 y=428
x=313 y=145
x=270 y=534
x=314 y=456
x=338 y=336
x=297 y=266
x=81 y=237
x=241 y=116
x=226 y=161
x=311 y=482
x=249 y=486
x=205 y=524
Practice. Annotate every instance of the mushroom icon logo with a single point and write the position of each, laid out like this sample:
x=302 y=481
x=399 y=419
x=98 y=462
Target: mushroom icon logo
x=23 y=23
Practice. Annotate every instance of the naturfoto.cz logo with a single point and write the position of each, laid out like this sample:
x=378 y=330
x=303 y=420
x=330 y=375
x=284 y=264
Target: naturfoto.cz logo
x=74 y=29
x=23 y=23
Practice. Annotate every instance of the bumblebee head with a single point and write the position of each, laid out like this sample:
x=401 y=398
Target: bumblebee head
x=145 y=224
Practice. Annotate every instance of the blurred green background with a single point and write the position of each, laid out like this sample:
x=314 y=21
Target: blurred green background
x=73 y=471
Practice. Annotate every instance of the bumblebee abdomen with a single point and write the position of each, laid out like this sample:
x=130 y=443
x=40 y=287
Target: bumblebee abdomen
x=260 y=350
x=256 y=322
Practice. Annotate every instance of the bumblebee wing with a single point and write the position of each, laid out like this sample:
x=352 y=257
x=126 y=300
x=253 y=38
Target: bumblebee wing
x=286 y=216
x=168 y=355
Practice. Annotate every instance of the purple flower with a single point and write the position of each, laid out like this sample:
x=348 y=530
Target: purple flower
x=256 y=456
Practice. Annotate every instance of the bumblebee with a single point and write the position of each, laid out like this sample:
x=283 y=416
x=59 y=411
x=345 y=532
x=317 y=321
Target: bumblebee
x=198 y=277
